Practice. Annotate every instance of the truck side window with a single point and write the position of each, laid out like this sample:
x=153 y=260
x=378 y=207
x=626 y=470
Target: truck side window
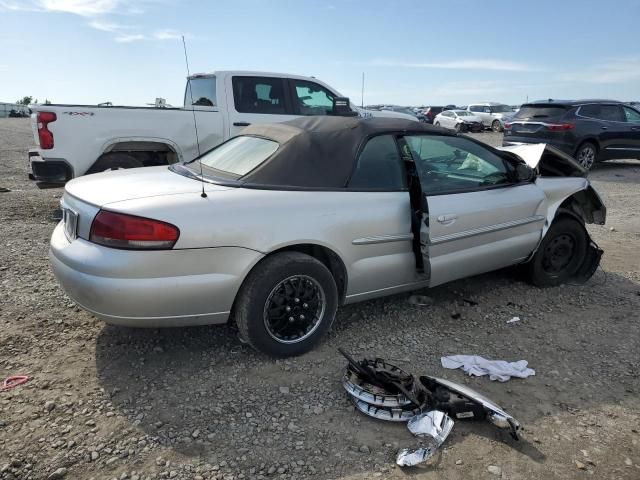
x=203 y=92
x=311 y=99
x=259 y=95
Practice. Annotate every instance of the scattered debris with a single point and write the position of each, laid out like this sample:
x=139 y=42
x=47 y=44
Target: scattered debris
x=514 y=320
x=580 y=465
x=470 y=302
x=4 y=190
x=455 y=315
x=421 y=300
x=496 y=369
x=13 y=381
x=411 y=457
x=428 y=404
x=494 y=470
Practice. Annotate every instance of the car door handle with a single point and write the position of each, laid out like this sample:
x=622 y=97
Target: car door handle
x=604 y=128
x=635 y=129
x=447 y=219
x=241 y=124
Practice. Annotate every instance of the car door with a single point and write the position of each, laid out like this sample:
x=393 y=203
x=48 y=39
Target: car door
x=632 y=134
x=479 y=111
x=605 y=122
x=257 y=100
x=379 y=255
x=479 y=218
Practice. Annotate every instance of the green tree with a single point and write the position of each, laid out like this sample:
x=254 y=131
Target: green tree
x=47 y=101
x=25 y=100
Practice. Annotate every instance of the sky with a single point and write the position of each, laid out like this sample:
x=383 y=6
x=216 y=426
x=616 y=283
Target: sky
x=412 y=52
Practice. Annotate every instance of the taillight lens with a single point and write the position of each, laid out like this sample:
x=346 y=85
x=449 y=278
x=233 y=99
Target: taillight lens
x=559 y=127
x=507 y=126
x=119 y=230
x=44 y=134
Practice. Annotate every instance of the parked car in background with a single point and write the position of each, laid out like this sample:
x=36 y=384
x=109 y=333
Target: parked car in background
x=148 y=247
x=493 y=114
x=75 y=140
x=590 y=130
x=399 y=109
x=430 y=113
x=459 y=120
x=451 y=107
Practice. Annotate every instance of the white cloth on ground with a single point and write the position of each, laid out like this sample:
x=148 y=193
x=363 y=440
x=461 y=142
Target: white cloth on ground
x=496 y=369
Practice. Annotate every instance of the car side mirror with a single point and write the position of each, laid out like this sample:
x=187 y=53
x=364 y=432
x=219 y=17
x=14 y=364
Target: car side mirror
x=342 y=107
x=524 y=173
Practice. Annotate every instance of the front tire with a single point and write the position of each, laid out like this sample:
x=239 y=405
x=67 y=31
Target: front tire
x=437 y=124
x=286 y=304
x=587 y=154
x=495 y=126
x=560 y=254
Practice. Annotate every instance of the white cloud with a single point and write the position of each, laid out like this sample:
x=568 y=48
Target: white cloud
x=107 y=26
x=167 y=34
x=129 y=37
x=85 y=8
x=468 y=64
x=614 y=71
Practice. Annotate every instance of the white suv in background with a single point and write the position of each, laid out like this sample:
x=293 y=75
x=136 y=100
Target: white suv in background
x=493 y=114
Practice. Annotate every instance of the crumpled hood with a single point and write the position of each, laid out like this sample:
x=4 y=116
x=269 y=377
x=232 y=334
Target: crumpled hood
x=547 y=160
x=100 y=189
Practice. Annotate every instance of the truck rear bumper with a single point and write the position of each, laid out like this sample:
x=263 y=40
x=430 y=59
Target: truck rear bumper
x=52 y=172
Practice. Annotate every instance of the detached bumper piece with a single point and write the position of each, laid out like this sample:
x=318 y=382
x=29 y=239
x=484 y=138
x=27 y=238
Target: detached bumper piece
x=428 y=404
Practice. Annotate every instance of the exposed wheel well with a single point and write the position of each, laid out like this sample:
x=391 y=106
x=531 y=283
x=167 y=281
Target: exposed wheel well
x=586 y=205
x=148 y=152
x=329 y=258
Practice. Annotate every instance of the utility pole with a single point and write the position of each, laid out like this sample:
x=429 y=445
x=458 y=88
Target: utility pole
x=362 y=93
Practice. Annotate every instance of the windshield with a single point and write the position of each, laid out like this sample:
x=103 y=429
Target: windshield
x=463 y=114
x=239 y=155
x=501 y=109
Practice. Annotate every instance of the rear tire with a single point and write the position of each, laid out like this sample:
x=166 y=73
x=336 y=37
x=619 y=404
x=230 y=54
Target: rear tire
x=496 y=126
x=560 y=254
x=114 y=161
x=286 y=304
x=587 y=155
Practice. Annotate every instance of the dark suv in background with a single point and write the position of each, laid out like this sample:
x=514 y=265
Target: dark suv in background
x=430 y=113
x=590 y=130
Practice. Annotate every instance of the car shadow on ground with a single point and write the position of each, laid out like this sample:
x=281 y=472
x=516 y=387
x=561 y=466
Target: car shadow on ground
x=197 y=390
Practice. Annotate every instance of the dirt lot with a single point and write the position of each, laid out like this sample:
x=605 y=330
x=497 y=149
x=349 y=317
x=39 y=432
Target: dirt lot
x=193 y=403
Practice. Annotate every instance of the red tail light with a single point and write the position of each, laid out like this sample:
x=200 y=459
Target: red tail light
x=44 y=135
x=507 y=126
x=559 y=127
x=119 y=230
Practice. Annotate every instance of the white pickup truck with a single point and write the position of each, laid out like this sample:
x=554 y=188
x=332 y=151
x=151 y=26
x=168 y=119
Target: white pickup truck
x=75 y=140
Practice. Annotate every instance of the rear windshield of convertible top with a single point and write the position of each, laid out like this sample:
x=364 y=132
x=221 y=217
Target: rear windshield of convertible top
x=239 y=155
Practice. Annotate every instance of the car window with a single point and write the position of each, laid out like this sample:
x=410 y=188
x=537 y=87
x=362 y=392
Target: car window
x=379 y=166
x=311 y=98
x=540 y=111
x=449 y=164
x=501 y=109
x=239 y=155
x=612 y=113
x=259 y=95
x=202 y=90
x=631 y=115
x=486 y=109
x=475 y=108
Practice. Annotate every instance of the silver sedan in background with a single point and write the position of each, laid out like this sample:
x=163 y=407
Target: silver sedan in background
x=459 y=120
x=277 y=227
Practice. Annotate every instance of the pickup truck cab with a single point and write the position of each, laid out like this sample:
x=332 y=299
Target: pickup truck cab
x=75 y=140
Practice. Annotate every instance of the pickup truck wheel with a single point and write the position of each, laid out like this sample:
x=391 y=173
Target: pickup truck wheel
x=495 y=126
x=560 y=253
x=114 y=161
x=286 y=304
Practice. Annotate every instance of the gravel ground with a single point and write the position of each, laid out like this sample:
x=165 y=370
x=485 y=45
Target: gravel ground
x=193 y=403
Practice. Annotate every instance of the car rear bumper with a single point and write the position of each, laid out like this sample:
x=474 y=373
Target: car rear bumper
x=163 y=288
x=54 y=171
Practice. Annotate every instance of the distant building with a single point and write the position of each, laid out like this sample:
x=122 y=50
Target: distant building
x=5 y=109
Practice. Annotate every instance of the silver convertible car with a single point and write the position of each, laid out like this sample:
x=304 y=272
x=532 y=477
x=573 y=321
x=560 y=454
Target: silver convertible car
x=277 y=227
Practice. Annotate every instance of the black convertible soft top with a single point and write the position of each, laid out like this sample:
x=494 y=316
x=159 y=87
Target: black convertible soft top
x=321 y=152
